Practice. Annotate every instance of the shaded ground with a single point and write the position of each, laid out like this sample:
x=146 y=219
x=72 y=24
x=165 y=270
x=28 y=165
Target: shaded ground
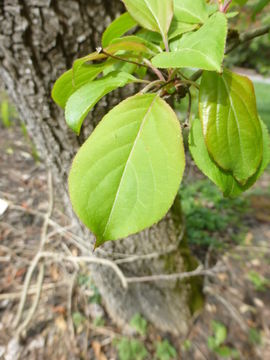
x=70 y=322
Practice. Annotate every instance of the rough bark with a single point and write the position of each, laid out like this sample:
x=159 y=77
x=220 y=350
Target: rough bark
x=39 y=39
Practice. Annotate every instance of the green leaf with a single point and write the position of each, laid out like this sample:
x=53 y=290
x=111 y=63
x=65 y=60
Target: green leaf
x=120 y=44
x=127 y=43
x=154 y=15
x=224 y=180
x=226 y=352
x=230 y=122
x=220 y=332
x=85 y=98
x=131 y=349
x=165 y=351
x=138 y=44
x=139 y=324
x=150 y=36
x=64 y=86
x=117 y=28
x=202 y=49
x=179 y=28
x=188 y=11
x=126 y=175
x=81 y=61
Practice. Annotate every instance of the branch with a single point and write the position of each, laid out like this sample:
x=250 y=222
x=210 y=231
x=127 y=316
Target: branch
x=247 y=36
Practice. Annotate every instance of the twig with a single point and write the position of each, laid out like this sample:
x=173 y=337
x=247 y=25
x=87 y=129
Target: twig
x=4 y=259
x=36 y=301
x=247 y=36
x=122 y=59
x=200 y=271
x=76 y=240
x=36 y=259
x=229 y=307
x=154 y=69
x=145 y=256
x=88 y=259
x=32 y=291
x=69 y=304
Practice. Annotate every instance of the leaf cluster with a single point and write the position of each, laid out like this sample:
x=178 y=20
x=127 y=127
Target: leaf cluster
x=126 y=175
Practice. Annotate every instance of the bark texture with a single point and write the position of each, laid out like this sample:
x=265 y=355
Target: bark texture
x=39 y=39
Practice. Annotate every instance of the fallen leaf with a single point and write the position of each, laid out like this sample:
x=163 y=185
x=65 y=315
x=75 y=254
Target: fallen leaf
x=97 y=350
x=61 y=323
x=3 y=206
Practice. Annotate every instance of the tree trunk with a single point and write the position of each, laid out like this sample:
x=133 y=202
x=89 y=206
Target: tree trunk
x=39 y=39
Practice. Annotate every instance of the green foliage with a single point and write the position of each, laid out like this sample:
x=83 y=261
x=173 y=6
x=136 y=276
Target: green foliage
x=131 y=349
x=153 y=15
x=78 y=319
x=262 y=91
x=216 y=342
x=194 y=12
x=232 y=130
x=259 y=282
x=85 y=98
x=139 y=324
x=5 y=113
x=254 y=336
x=165 y=351
x=224 y=180
x=124 y=179
x=186 y=345
x=208 y=214
x=202 y=49
x=118 y=28
x=126 y=175
x=99 y=321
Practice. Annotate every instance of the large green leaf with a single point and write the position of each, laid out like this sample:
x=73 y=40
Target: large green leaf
x=202 y=49
x=231 y=126
x=118 y=28
x=224 y=180
x=85 y=98
x=155 y=15
x=126 y=175
x=190 y=11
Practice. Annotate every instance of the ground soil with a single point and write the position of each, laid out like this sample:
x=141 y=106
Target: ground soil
x=66 y=325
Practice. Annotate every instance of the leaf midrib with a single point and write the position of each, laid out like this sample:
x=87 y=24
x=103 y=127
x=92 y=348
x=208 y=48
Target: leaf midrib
x=156 y=19
x=128 y=160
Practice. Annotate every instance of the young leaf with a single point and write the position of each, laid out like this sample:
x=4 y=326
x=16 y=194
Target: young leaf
x=81 y=61
x=64 y=86
x=127 y=43
x=126 y=175
x=150 y=36
x=193 y=12
x=202 y=49
x=153 y=15
x=231 y=126
x=85 y=98
x=120 y=44
x=224 y=180
x=117 y=28
x=136 y=43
